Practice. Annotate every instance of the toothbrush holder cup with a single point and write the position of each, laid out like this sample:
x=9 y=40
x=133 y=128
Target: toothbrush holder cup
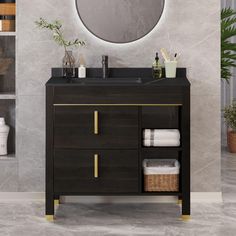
x=170 y=68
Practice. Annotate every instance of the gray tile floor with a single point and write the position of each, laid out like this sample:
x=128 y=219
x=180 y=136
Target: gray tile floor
x=27 y=219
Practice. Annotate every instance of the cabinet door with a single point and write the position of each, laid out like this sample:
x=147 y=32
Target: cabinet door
x=96 y=127
x=94 y=171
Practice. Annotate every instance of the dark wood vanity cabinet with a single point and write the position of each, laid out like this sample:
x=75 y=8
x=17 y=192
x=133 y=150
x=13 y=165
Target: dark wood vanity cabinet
x=94 y=136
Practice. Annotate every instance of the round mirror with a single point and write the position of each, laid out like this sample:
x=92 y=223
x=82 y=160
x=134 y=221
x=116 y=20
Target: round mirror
x=120 y=21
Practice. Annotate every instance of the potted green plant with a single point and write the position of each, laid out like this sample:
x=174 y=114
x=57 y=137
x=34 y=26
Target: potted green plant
x=228 y=48
x=230 y=118
x=228 y=58
x=56 y=28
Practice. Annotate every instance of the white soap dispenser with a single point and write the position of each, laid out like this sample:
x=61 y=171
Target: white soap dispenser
x=4 y=131
x=82 y=71
x=82 y=67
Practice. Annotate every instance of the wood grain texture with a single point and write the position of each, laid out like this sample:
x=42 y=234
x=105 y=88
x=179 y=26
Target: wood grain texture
x=117 y=126
x=5 y=64
x=74 y=171
x=112 y=94
x=49 y=153
x=160 y=117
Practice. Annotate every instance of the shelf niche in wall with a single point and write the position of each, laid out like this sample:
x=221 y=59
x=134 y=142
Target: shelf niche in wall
x=7 y=65
x=7 y=74
x=7 y=15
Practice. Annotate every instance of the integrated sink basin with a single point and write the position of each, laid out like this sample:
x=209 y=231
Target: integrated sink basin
x=117 y=77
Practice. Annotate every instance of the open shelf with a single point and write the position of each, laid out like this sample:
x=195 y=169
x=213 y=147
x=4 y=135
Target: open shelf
x=10 y=157
x=7 y=96
x=7 y=65
x=7 y=33
x=160 y=117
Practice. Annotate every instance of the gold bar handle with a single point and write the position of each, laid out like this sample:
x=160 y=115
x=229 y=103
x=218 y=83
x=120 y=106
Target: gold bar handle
x=96 y=166
x=95 y=122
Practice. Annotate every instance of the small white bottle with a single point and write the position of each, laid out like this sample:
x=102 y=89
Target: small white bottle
x=4 y=131
x=82 y=71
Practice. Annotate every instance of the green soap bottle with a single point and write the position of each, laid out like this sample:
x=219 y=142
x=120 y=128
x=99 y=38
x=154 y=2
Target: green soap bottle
x=156 y=68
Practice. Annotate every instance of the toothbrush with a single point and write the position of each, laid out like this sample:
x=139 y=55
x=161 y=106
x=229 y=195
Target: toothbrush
x=177 y=56
x=165 y=54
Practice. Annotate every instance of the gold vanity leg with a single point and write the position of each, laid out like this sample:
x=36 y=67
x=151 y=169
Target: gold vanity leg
x=50 y=218
x=56 y=202
x=186 y=217
x=179 y=202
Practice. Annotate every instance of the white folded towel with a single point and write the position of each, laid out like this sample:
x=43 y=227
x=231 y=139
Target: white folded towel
x=161 y=134
x=161 y=143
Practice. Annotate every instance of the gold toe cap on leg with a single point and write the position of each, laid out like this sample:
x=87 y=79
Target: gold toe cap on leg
x=179 y=202
x=50 y=218
x=56 y=202
x=186 y=217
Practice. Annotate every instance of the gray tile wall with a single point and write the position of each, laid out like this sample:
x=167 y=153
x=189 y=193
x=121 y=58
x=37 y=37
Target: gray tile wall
x=189 y=27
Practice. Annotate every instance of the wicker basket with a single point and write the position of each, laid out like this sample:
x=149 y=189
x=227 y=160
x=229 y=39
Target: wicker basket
x=161 y=175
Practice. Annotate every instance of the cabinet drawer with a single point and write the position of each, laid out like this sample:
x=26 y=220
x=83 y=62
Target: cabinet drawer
x=95 y=127
x=118 y=94
x=74 y=171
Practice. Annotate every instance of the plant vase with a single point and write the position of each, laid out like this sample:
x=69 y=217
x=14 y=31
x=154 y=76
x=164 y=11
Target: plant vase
x=68 y=65
x=231 y=140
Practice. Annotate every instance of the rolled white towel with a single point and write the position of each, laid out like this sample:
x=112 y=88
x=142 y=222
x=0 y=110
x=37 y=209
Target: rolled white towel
x=147 y=134
x=161 y=134
x=161 y=143
x=147 y=142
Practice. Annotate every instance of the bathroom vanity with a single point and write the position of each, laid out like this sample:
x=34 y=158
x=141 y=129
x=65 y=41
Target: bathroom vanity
x=94 y=133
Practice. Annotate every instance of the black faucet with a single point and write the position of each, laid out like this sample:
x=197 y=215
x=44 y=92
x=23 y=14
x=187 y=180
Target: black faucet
x=105 y=69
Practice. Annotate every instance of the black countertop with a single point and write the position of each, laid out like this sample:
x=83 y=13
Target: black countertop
x=130 y=76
